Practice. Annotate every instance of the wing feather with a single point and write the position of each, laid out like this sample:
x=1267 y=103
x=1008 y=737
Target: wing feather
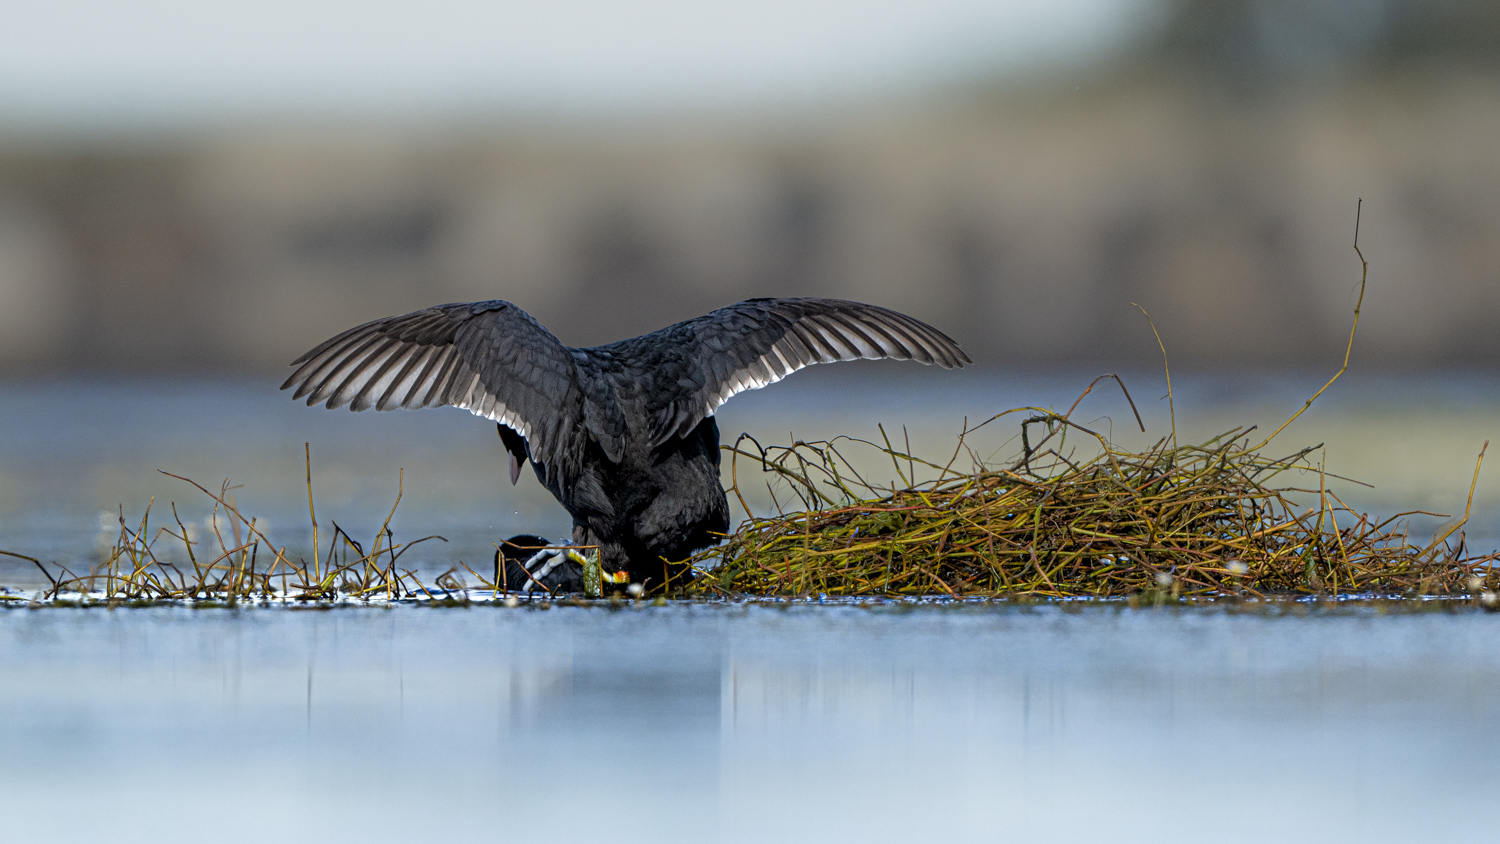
x=693 y=367
x=849 y=333
x=419 y=394
x=383 y=378
x=442 y=378
x=890 y=343
x=318 y=368
x=490 y=358
x=406 y=380
x=335 y=372
x=820 y=349
x=360 y=373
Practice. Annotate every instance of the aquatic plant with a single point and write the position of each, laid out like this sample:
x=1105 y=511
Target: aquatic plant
x=1169 y=521
x=234 y=560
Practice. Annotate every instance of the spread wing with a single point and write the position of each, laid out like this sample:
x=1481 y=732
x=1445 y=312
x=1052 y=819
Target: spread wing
x=490 y=358
x=698 y=364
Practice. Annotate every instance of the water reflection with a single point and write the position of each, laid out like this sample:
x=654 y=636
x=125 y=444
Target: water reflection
x=693 y=723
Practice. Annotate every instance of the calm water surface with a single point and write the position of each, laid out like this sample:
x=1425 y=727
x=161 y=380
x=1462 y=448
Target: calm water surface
x=747 y=723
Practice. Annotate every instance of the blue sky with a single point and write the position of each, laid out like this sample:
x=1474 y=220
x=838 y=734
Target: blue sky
x=91 y=63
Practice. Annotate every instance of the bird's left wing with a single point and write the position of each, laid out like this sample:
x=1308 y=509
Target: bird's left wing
x=490 y=358
x=698 y=364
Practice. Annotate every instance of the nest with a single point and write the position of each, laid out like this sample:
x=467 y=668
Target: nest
x=1198 y=520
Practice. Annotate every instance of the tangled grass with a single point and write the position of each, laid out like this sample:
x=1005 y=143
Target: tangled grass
x=1198 y=520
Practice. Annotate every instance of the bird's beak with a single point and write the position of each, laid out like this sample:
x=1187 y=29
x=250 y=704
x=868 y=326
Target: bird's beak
x=515 y=469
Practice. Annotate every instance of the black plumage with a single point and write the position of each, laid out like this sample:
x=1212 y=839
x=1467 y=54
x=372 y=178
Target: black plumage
x=623 y=435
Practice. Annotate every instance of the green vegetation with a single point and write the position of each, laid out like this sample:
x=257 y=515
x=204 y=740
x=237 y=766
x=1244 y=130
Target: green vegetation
x=238 y=562
x=1199 y=520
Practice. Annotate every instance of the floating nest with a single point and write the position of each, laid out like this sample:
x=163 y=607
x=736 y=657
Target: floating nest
x=1172 y=520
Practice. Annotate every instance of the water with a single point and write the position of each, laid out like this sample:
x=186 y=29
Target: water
x=747 y=723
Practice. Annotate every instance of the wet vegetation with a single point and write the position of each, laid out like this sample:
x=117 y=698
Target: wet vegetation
x=1171 y=521
x=236 y=561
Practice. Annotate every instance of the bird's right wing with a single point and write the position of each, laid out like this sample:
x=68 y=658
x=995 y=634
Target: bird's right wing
x=757 y=342
x=490 y=358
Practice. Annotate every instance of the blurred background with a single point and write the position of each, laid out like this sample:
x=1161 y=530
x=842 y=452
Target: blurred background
x=218 y=187
x=194 y=193
x=191 y=195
